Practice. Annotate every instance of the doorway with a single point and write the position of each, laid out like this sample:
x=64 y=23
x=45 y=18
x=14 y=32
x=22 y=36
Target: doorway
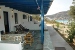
x=6 y=21
x=28 y=18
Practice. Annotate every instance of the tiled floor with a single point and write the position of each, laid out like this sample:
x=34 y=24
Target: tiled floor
x=36 y=45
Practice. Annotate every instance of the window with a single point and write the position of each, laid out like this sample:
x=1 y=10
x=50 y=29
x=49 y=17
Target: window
x=24 y=17
x=16 y=18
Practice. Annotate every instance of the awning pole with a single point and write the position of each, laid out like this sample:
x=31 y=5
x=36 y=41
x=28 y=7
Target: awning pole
x=42 y=22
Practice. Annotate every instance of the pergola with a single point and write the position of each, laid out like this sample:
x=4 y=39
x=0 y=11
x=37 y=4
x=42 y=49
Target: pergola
x=32 y=7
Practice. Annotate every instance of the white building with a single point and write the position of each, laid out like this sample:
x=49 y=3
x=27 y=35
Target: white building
x=10 y=17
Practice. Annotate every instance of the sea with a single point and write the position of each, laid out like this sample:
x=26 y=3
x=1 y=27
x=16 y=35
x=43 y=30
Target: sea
x=62 y=21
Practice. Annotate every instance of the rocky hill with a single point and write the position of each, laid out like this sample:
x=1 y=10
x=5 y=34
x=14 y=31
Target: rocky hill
x=60 y=15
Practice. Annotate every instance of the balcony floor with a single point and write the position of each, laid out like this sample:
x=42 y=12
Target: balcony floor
x=36 y=45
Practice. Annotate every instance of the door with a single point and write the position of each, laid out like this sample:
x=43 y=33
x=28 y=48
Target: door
x=6 y=21
x=28 y=18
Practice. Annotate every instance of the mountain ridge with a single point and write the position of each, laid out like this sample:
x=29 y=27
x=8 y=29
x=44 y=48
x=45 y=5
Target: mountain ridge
x=60 y=15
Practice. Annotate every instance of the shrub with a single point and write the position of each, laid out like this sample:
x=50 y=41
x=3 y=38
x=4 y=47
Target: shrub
x=71 y=31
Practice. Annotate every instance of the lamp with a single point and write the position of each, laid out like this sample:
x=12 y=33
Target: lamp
x=12 y=10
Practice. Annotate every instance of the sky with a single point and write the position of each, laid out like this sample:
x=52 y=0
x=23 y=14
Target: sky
x=59 y=5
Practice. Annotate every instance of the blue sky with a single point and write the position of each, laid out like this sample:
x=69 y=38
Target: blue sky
x=59 y=5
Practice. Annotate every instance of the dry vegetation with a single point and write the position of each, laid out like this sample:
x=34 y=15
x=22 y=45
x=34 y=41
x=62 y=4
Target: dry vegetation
x=62 y=30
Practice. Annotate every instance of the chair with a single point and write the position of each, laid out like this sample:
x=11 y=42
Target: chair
x=28 y=39
x=20 y=28
x=23 y=29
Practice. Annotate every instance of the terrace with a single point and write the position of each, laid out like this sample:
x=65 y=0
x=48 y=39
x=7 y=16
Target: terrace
x=14 y=9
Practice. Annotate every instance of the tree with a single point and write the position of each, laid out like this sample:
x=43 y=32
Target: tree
x=36 y=17
x=72 y=12
x=71 y=31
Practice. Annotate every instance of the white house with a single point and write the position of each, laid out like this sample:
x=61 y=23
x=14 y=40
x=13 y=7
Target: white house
x=10 y=17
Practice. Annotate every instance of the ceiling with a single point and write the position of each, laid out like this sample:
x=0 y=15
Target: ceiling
x=28 y=6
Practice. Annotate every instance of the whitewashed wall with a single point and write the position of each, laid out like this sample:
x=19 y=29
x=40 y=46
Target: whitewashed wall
x=10 y=46
x=30 y=25
x=1 y=20
x=10 y=18
x=0 y=36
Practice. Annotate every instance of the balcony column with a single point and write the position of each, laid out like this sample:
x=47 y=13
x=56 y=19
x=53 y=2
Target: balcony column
x=42 y=22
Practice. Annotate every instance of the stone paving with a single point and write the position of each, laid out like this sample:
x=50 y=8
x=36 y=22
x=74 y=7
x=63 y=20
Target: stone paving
x=57 y=40
x=36 y=45
x=47 y=42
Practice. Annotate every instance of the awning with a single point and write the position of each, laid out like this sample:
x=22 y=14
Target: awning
x=28 y=6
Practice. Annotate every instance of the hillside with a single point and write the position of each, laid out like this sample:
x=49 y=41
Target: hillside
x=60 y=15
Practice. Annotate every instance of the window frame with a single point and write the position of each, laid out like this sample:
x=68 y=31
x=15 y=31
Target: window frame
x=16 y=18
x=24 y=16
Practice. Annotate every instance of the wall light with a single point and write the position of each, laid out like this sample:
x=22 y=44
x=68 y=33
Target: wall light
x=12 y=10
